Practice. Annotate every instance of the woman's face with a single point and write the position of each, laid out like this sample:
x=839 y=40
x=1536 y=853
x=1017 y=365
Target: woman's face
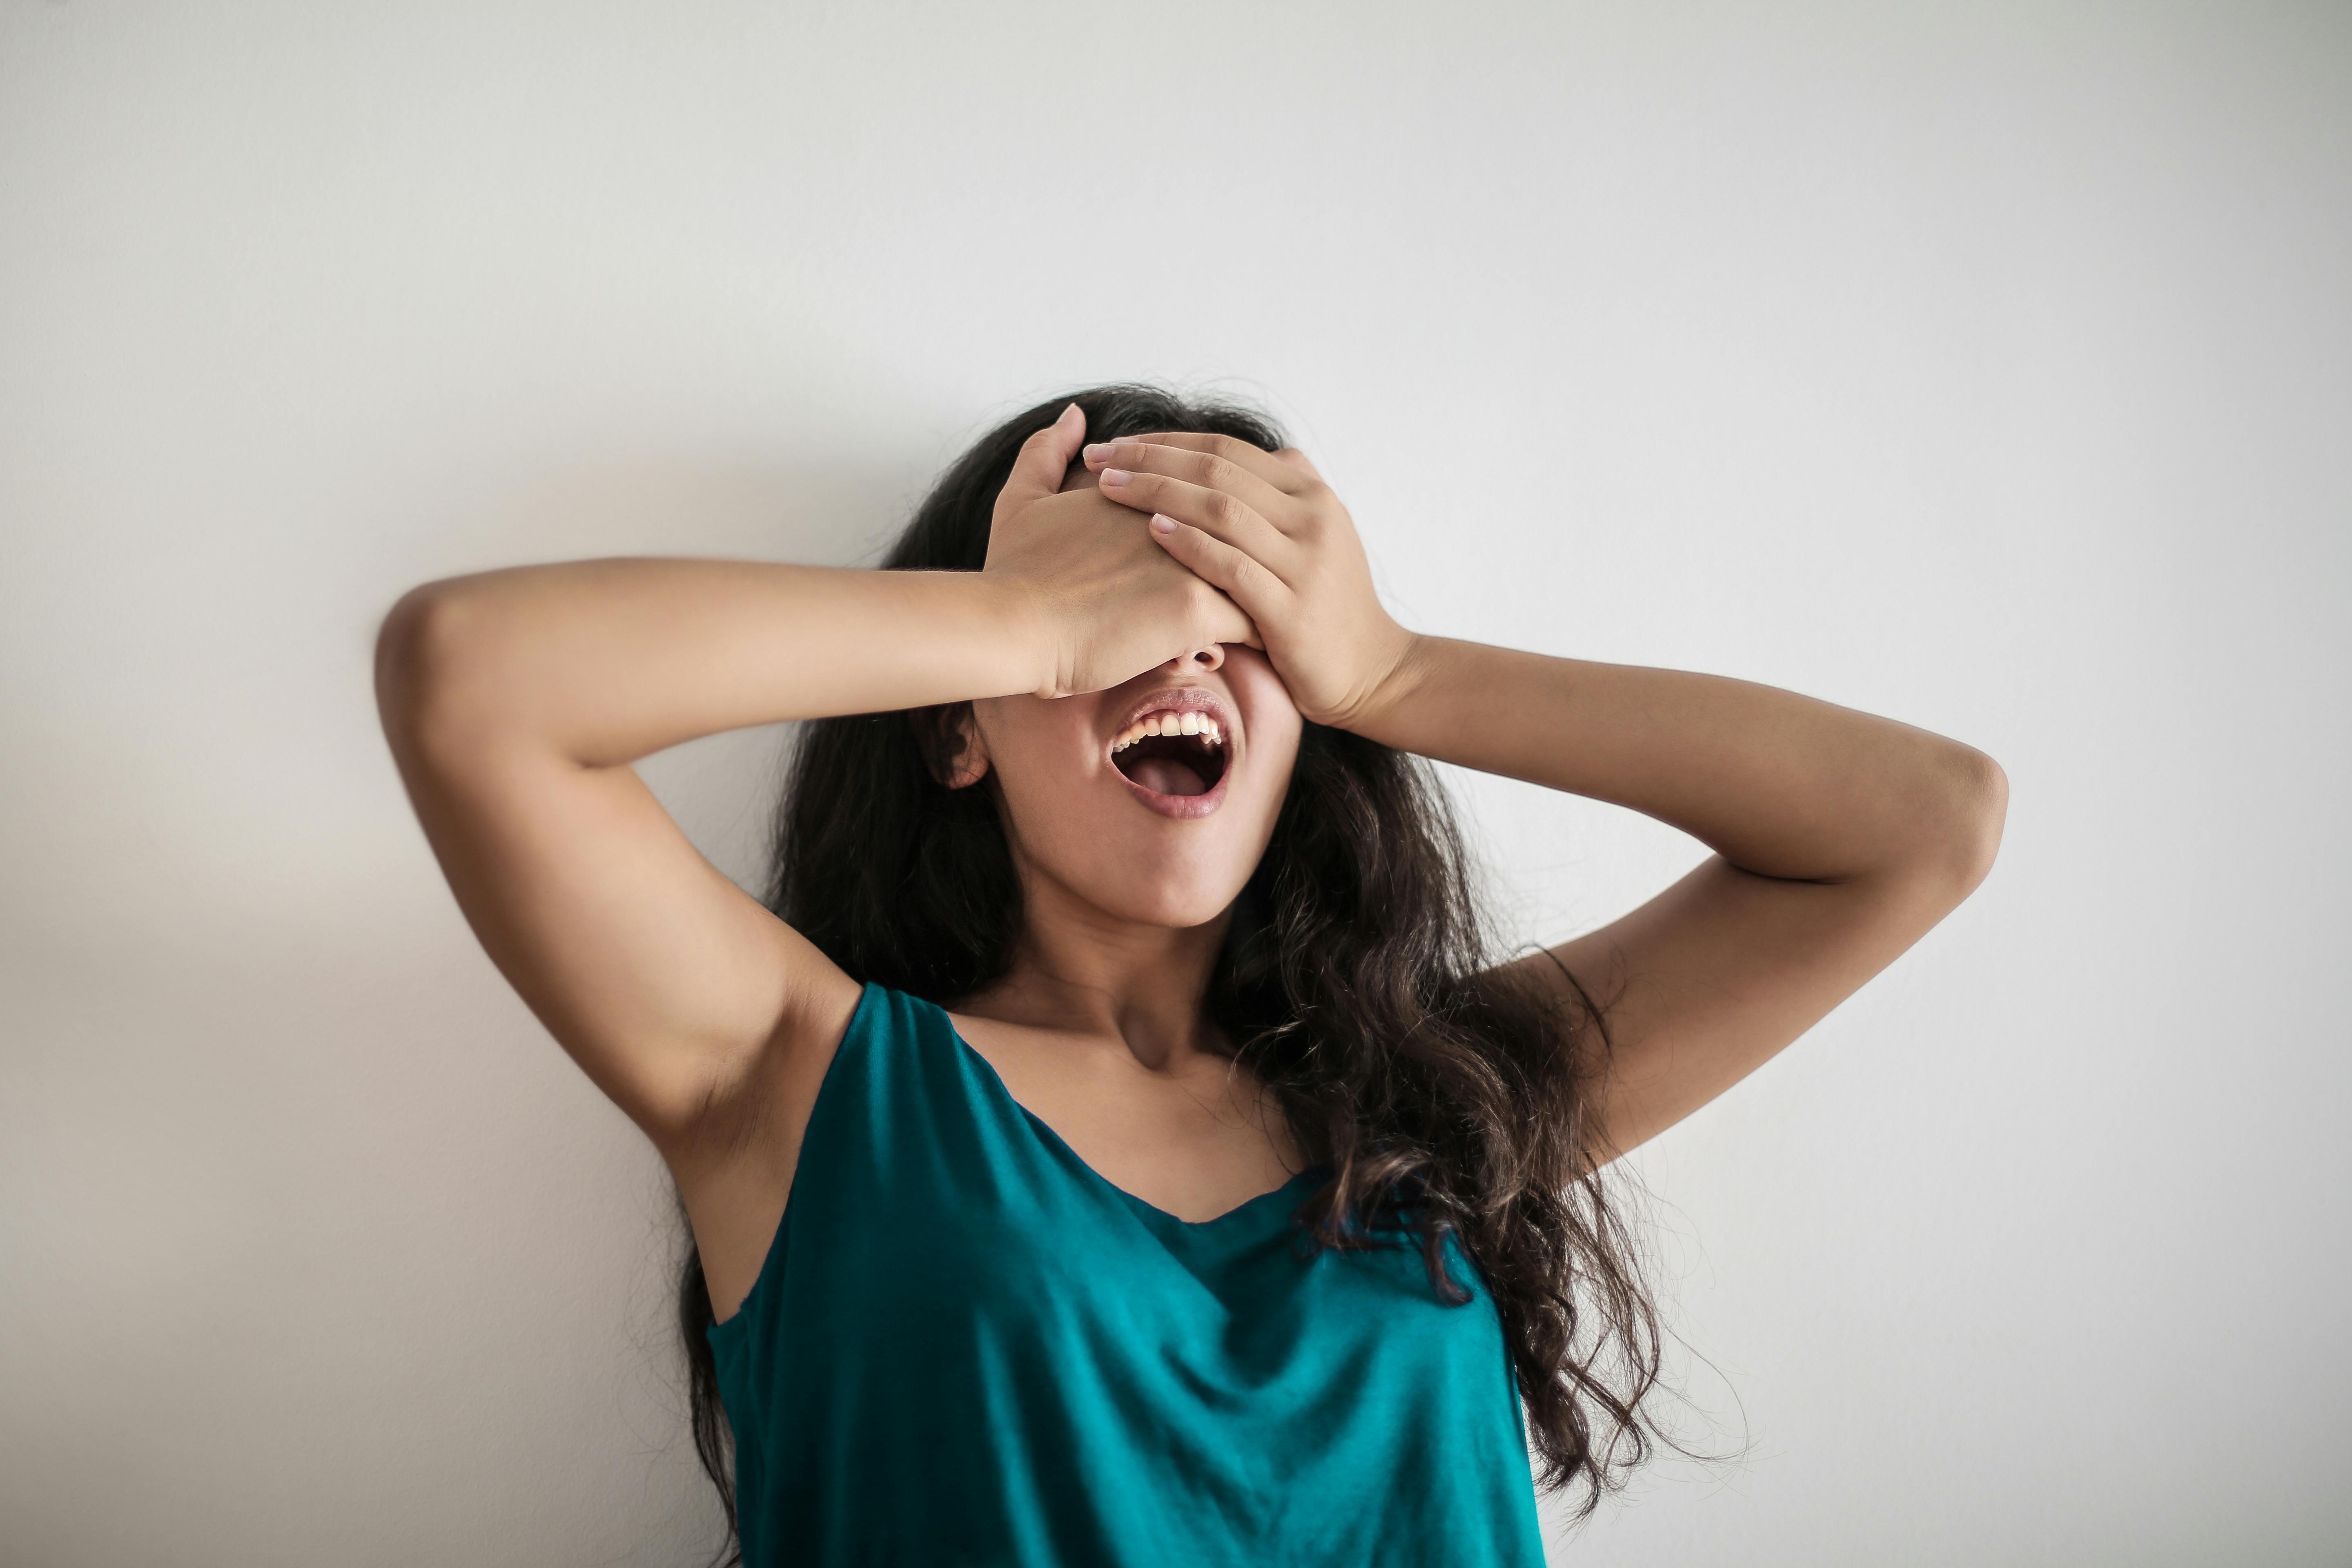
x=1108 y=796
x=1152 y=802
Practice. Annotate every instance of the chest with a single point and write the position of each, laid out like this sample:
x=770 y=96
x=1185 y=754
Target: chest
x=1196 y=1140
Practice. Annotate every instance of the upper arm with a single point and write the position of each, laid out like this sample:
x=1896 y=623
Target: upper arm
x=669 y=985
x=1710 y=979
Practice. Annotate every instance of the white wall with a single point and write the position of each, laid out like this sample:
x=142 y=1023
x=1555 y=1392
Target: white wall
x=1986 y=366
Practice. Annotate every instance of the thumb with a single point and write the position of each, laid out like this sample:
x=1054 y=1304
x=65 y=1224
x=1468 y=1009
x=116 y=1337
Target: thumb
x=1045 y=458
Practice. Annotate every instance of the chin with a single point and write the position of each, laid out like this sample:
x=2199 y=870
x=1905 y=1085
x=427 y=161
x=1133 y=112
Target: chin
x=1176 y=886
x=1177 y=906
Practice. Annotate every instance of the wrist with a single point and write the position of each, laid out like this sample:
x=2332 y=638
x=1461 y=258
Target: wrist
x=1025 y=625
x=1400 y=668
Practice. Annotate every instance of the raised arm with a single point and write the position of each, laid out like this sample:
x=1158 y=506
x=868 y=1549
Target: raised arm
x=516 y=700
x=1839 y=838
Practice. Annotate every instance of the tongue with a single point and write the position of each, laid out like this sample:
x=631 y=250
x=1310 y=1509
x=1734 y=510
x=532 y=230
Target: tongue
x=1167 y=776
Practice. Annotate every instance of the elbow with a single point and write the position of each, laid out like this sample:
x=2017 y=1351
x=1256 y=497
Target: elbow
x=421 y=658
x=1972 y=809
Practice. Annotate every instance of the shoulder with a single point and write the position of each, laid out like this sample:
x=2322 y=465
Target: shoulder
x=735 y=1159
x=758 y=1112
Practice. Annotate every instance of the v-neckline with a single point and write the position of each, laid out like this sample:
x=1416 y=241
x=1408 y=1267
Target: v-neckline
x=1054 y=1142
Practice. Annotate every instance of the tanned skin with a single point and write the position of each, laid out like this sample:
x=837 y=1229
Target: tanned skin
x=516 y=702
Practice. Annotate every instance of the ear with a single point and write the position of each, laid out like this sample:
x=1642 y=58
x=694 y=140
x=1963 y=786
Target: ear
x=966 y=749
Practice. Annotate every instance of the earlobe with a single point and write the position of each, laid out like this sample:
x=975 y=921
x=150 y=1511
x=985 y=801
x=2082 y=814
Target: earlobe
x=969 y=765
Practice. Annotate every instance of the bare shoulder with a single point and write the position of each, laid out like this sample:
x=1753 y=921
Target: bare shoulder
x=735 y=1159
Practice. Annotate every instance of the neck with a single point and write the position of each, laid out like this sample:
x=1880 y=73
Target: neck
x=1085 y=972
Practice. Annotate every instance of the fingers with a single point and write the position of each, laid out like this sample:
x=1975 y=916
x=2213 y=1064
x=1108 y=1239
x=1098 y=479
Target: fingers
x=1216 y=513
x=1045 y=458
x=1256 y=461
x=1230 y=623
x=1262 y=596
x=1295 y=459
x=1210 y=471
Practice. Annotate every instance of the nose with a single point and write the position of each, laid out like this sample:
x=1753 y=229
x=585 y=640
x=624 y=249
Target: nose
x=1200 y=661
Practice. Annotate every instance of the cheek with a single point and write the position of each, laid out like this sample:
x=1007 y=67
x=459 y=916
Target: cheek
x=1272 y=719
x=1040 y=778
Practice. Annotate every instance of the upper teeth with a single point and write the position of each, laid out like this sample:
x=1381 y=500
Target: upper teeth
x=1199 y=724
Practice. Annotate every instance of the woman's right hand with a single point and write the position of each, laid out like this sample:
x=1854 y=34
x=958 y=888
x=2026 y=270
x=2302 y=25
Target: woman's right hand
x=1110 y=603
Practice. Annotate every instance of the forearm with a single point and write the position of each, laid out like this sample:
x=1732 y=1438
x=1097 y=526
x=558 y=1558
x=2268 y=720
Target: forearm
x=606 y=661
x=1779 y=784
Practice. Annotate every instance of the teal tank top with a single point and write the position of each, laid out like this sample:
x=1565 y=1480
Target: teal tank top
x=966 y=1347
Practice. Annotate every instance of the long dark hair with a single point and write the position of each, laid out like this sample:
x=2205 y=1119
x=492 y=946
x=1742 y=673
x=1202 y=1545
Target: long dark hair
x=1358 y=981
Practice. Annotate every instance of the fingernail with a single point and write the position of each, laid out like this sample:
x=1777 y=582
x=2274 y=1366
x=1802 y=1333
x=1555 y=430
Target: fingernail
x=1114 y=478
x=1161 y=521
x=1072 y=409
x=1098 y=452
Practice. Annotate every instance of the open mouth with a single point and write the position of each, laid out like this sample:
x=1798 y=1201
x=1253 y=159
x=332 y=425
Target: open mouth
x=1172 y=753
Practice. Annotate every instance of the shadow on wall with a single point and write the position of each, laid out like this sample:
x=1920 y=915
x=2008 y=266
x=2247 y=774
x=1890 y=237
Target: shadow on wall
x=604 y=1236
x=306 y=1175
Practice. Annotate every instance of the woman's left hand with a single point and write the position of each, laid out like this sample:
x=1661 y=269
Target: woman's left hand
x=1263 y=527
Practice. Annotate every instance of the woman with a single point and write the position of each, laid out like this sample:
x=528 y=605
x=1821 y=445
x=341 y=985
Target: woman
x=1173 y=1176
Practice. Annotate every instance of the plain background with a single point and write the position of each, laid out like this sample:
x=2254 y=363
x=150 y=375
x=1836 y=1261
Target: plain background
x=1982 y=365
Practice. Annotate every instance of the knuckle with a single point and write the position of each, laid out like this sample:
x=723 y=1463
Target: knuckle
x=1219 y=473
x=1224 y=511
